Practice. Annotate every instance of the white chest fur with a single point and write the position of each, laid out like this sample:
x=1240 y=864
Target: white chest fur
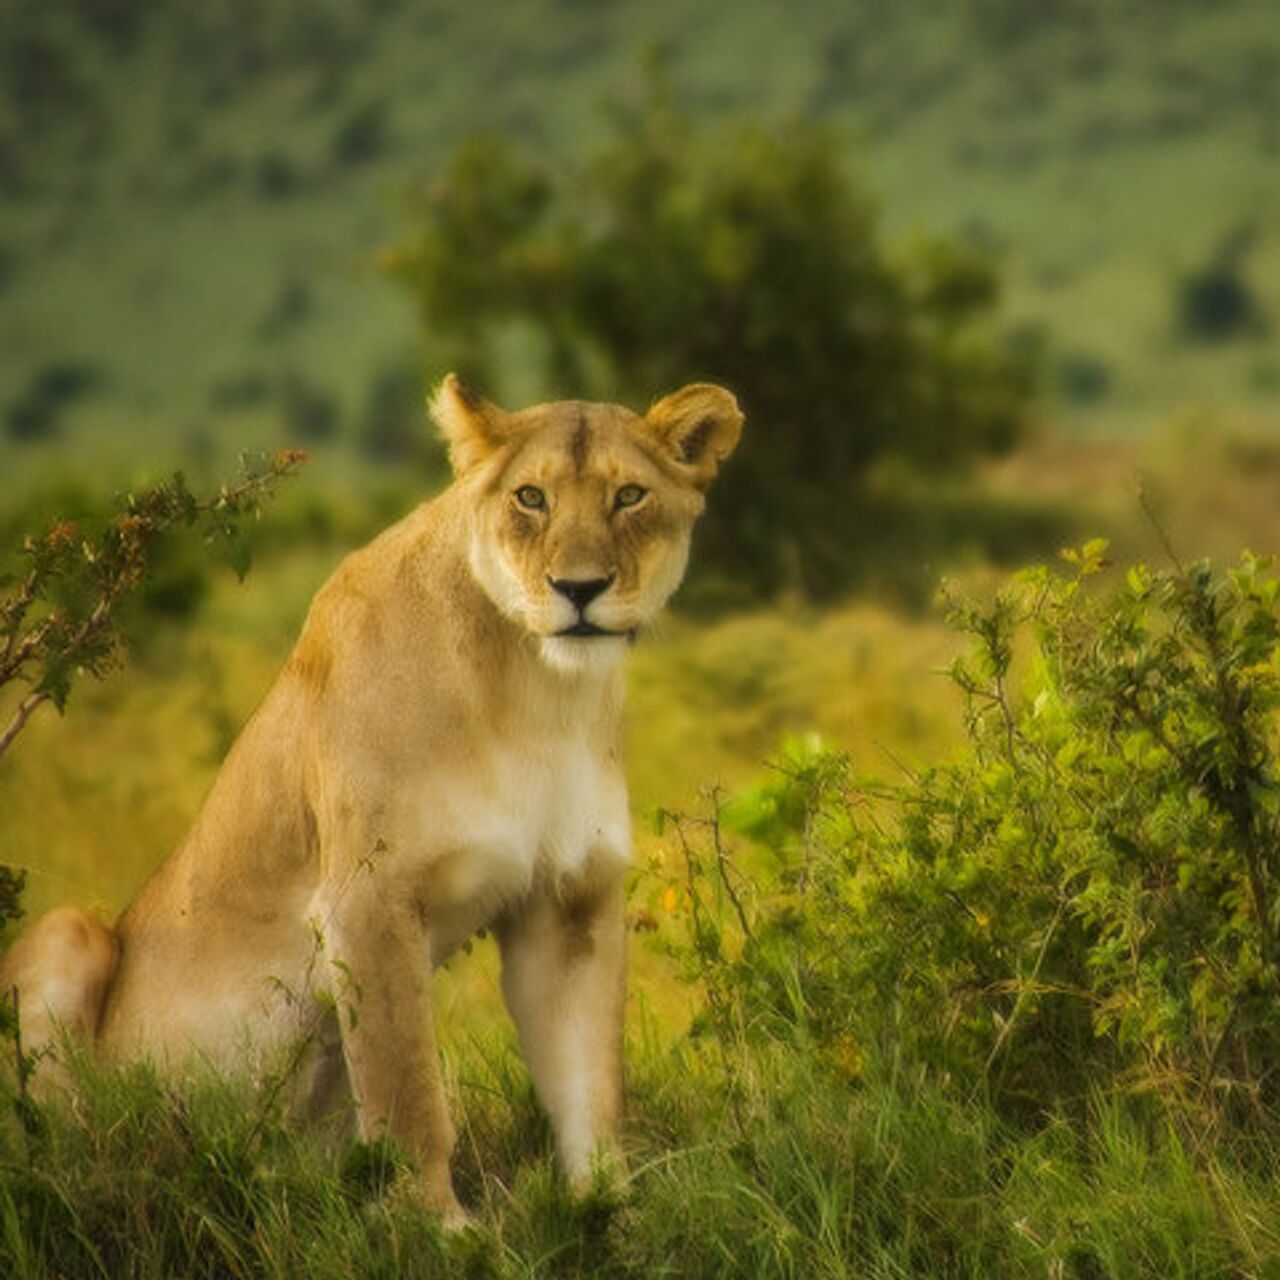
x=540 y=811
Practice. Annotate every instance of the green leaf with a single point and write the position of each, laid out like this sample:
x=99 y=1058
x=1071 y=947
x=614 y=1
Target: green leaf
x=238 y=554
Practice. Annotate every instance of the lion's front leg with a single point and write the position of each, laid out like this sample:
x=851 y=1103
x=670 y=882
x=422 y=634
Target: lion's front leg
x=378 y=954
x=563 y=972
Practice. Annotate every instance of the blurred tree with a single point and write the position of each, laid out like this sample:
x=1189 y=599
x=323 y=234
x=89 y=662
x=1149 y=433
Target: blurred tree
x=309 y=410
x=1215 y=300
x=37 y=411
x=744 y=256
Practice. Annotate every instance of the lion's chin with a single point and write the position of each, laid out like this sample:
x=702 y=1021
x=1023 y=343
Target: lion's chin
x=583 y=654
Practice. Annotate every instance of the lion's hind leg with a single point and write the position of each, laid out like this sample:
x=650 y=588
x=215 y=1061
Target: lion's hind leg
x=60 y=969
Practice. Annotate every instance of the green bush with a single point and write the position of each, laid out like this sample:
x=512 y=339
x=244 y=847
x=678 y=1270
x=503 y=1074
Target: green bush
x=741 y=255
x=66 y=592
x=1087 y=899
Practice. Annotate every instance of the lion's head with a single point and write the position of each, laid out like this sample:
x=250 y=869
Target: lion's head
x=582 y=513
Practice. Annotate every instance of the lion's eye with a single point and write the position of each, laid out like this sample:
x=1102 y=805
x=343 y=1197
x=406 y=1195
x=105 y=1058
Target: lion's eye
x=628 y=496
x=531 y=497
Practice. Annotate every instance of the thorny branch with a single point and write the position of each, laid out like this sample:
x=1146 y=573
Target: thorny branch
x=59 y=621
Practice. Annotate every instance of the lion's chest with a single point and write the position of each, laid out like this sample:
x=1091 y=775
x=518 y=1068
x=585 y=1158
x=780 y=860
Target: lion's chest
x=522 y=813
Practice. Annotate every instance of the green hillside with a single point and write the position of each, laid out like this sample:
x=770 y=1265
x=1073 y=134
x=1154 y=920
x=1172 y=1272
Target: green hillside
x=194 y=196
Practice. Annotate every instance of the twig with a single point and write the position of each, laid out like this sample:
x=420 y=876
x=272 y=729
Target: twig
x=1025 y=986
x=1144 y=501
x=26 y=708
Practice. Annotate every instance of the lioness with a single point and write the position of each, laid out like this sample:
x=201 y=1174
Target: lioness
x=440 y=753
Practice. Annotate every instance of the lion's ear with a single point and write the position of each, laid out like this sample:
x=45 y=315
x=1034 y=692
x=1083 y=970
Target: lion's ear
x=473 y=427
x=698 y=426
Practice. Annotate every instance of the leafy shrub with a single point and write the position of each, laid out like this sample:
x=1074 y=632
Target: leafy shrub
x=741 y=255
x=62 y=597
x=1089 y=898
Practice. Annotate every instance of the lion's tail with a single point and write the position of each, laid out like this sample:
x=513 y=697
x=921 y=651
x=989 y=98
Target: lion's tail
x=61 y=969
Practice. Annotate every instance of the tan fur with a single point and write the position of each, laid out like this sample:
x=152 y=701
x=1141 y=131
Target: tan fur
x=433 y=758
x=60 y=967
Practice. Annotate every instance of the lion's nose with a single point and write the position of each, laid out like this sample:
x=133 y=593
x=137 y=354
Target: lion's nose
x=580 y=592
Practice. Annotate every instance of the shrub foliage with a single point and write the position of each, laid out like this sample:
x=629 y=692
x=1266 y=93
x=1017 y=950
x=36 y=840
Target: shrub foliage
x=1086 y=899
x=60 y=603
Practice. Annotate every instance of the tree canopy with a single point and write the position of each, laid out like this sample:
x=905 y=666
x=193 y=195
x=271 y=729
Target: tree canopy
x=742 y=255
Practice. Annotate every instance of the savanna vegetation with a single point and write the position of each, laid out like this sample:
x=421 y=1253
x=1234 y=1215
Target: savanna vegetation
x=1013 y=1014
x=955 y=927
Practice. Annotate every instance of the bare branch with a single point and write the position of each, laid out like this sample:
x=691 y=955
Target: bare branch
x=26 y=709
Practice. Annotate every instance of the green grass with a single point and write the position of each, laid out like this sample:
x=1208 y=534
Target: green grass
x=744 y=1161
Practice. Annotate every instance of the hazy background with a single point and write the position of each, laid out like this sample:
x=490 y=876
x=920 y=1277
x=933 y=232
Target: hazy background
x=195 y=196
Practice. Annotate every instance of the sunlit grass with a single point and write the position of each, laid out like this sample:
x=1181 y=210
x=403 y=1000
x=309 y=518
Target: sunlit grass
x=778 y=1169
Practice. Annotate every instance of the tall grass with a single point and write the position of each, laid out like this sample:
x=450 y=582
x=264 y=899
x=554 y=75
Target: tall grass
x=745 y=1161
